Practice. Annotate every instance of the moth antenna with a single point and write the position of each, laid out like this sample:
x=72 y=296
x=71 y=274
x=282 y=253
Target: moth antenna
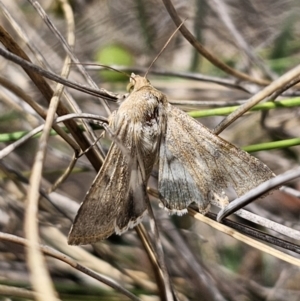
x=164 y=47
x=104 y=66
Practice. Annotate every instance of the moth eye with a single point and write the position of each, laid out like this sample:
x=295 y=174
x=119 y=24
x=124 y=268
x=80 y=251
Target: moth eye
x=130 y=87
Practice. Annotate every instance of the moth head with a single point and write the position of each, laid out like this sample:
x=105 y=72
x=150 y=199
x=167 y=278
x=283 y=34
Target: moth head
x=137 y=82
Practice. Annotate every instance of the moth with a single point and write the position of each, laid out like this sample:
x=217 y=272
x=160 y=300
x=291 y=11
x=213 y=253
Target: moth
x=194 y=166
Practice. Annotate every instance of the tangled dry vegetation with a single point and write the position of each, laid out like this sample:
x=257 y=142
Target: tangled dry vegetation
x=247 y=47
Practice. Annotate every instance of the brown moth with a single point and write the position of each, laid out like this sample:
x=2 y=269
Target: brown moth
x=194 y=166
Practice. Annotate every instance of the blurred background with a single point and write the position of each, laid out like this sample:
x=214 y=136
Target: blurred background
x=258 y=38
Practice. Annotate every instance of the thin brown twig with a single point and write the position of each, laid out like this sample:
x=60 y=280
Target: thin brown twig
x=277 y=84
x=69 y=47
x=66 y=173
x=231 y=83
x=141 y=232
x=13 y=291
x=204 y=282
x=291 y=191
x=40 y=277
x=35 y=106
x=292 y=233
x=8 y=149
x=159 y=252
x=214 y=60
x=68 y=260
x=247 y=240
x=27 y=65
x=221 y=8
x=47 y=92
x=21 y=32
x=273 y=97
x=259 y=191
x=69 y=51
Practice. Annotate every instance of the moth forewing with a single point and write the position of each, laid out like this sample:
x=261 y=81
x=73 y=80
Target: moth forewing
x=195 y=165
x=117 y=199
x=111 y=203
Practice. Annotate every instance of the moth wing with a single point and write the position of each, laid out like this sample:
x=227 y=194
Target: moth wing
x=195 y=165
x=115 y=202
x=176 y=186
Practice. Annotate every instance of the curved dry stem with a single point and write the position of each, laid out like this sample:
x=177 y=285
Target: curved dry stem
x=264 y=222
x=221 y=8
x=258 y=191
x=227 y=82
x=12 y=291
x=198 y=272
x=30 y=67
x=69 y=51
x=247 y=240
x=40 y=277
x=21 y=32
x=68 y=46
x=16 y=54
x=25 y=97
x=5 y=151
x=214 y=60
x=19 y=92
x=159 y=254
x=64 y=176
x=68 y=260
x=291 y=191
x=277 y=84
x=141 y=232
